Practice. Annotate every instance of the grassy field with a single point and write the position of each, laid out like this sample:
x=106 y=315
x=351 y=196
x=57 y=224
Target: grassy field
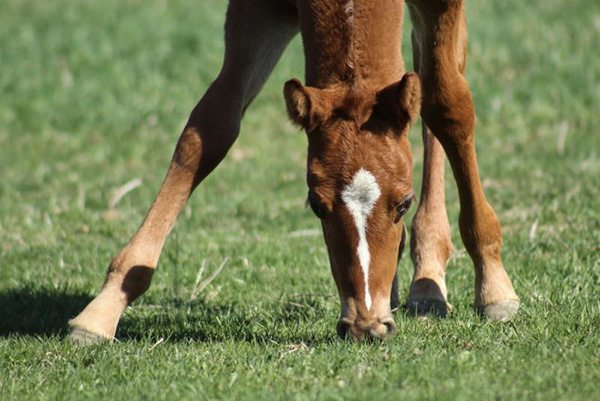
x=94 y=95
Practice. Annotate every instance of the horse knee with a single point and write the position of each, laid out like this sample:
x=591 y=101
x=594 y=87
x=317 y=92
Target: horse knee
x=212 y=128
x=202 y=149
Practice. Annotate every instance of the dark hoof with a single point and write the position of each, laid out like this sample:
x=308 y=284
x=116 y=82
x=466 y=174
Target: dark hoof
x=501 y=311
x=433 y=307
x=83 y=337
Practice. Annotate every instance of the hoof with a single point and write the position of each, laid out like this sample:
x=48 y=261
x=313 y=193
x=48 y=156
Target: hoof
x=83 y=337
x=501 y=311
x=433 y=307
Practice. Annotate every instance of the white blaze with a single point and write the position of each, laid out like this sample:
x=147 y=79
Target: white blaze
x=360 y=197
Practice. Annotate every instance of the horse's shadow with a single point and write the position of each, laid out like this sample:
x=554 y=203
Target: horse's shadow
x=44 y=312
x=39 y=311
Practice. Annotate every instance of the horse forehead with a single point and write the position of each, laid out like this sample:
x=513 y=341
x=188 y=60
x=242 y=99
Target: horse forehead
x=361 y=193
x=357 y=102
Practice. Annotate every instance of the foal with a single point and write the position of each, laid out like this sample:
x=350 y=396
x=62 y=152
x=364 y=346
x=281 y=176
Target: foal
x=356 y=110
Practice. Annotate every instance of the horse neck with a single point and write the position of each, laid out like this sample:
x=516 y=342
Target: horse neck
x=346 y=42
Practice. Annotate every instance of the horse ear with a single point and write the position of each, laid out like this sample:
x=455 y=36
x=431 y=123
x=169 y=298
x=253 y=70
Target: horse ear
x=303 y=104
x=400 y=102
x=297 y=101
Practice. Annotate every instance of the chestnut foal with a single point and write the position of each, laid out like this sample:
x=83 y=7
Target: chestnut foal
x=356 y=110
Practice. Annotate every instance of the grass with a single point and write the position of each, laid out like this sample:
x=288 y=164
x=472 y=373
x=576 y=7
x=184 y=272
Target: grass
x=94 y=95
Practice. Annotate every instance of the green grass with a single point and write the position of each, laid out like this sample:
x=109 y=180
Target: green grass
x=94 y=94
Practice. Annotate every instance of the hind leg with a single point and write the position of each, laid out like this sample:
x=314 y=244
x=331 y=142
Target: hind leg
x=448 y=110
x=256 y=33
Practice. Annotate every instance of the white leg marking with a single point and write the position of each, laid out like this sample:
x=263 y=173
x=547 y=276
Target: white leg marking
x=360 y=197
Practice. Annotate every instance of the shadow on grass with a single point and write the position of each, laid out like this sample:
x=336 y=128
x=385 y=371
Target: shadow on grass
x=40 y=311
x=279 y=322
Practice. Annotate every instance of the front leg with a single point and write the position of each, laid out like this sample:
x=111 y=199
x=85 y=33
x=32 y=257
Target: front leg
x=448 y=110
x=430 y=243
x=202 y=145
x=256 y=33
x=395 y=296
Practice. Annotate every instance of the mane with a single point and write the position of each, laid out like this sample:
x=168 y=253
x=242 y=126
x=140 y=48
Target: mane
x=349 y=34
x=332 y=39
x=347 y=42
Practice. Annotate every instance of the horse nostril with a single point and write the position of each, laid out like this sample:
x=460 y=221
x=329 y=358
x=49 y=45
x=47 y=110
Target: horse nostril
x=342 y=328
x=391 y=327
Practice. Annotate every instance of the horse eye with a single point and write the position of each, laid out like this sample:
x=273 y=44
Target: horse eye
x=317 y=209
x=403 y=207
x=316 y=206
